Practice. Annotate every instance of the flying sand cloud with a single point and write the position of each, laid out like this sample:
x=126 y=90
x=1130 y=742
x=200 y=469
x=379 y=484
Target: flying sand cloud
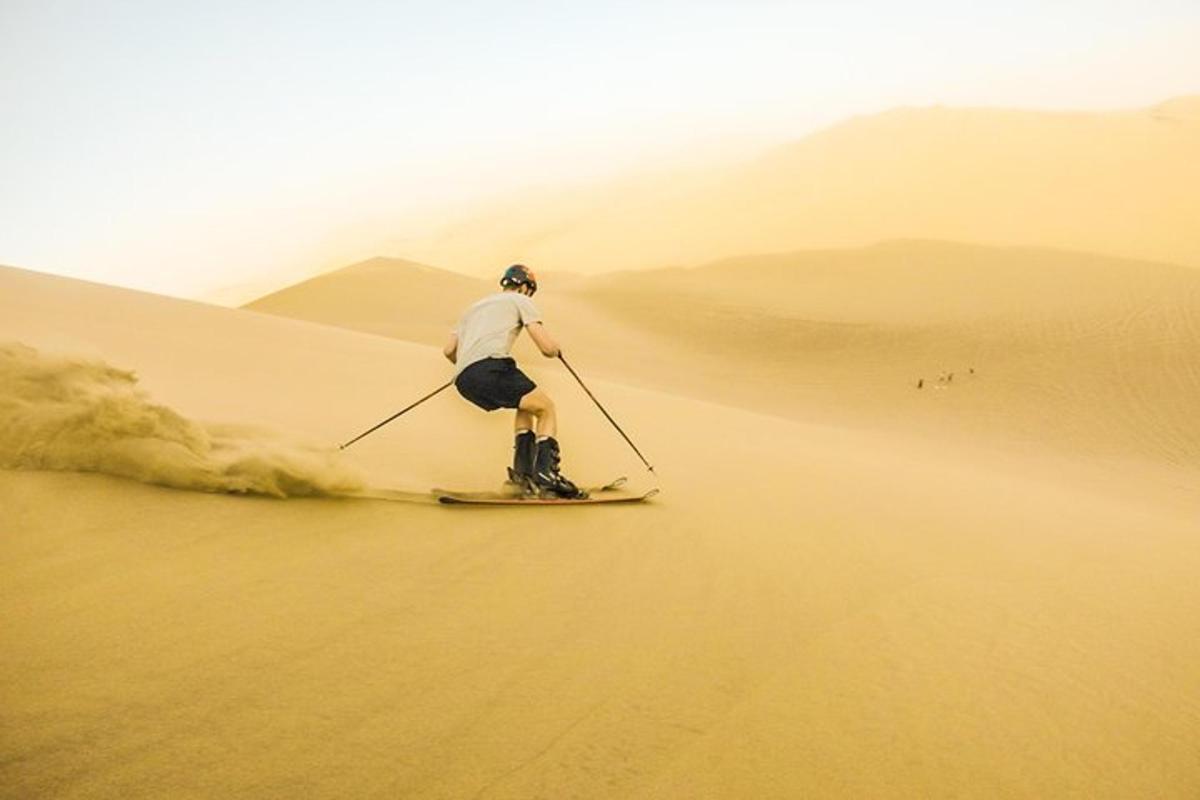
x=60 y=413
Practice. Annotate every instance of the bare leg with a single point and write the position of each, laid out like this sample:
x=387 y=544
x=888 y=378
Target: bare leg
x=547 y=479
x=525 y=421
x=538 y=404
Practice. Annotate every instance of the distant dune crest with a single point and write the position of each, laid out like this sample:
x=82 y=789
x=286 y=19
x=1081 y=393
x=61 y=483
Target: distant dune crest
x=66 y=414
x=1179 y=107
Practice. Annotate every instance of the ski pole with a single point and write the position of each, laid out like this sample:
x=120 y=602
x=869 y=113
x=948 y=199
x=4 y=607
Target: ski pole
x=398 y=413
x=605 y=413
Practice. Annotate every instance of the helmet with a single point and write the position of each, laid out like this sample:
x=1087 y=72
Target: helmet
x=519 y=275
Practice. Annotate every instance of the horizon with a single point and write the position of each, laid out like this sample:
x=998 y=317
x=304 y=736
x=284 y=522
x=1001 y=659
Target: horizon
x=209 y=151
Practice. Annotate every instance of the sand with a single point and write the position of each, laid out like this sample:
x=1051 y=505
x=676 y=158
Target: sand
x=846 y=600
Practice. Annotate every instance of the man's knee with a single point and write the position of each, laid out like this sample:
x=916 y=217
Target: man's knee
x=537 y=402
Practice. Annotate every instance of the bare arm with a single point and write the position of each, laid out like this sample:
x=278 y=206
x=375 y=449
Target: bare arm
x=450 y=351
x=544 y=341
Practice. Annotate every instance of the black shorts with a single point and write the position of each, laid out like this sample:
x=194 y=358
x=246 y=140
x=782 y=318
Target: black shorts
x=494 y=383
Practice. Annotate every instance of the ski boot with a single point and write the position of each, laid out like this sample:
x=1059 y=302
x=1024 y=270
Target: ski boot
x=520 y=474
x=548 y=481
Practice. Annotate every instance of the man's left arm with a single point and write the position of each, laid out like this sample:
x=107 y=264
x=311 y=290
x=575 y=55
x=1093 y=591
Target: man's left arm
x=544 y=341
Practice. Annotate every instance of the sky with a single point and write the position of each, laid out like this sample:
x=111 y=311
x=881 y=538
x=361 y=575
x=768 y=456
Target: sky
x=211 y=149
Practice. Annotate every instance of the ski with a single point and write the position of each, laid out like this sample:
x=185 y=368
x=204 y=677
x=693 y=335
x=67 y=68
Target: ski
x=496 y=499
x=512 y=491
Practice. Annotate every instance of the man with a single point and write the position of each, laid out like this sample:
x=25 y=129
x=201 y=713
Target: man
x=488 y=376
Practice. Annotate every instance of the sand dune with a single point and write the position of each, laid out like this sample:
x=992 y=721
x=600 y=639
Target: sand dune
x=1120 y=183
x=1095 y=355
x=1091 y=355
x=808 y=609
x=376 y=296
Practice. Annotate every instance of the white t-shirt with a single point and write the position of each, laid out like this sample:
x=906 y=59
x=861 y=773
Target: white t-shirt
x=489 y=328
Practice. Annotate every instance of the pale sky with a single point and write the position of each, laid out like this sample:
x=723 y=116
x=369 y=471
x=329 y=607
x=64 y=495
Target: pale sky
x=183 y=147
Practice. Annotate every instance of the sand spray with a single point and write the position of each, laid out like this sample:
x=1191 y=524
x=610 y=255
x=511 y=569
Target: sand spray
x=61 y=413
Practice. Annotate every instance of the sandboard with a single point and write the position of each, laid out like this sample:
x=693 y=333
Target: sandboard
x=497 y=499
x=513 y=492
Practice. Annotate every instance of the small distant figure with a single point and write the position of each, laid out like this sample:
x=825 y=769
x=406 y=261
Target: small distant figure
x=950 y=378
x=920 y=383
x=972 y=370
